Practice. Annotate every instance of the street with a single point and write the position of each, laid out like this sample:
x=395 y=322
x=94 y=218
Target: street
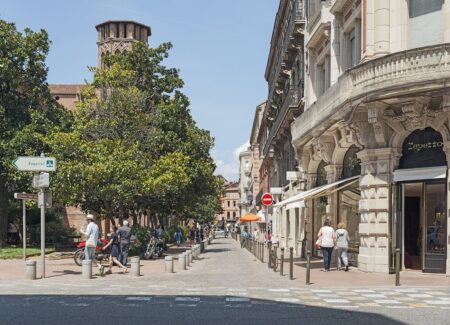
x=227 y=285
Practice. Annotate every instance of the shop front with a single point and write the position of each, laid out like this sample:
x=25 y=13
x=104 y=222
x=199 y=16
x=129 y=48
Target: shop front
x=419 y=223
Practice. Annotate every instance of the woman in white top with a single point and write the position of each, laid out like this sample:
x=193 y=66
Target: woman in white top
x=326 y=239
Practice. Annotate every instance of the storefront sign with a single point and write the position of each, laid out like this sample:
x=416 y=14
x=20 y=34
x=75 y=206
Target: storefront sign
x=423 y=148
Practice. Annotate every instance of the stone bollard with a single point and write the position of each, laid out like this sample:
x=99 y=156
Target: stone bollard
x=186 y=260
x=86 y=270
x=190 y=257
x=169 y=264
x=196 y=251
x=30 y=271
x=135 y=266
x=202 y=247
x=182 y=261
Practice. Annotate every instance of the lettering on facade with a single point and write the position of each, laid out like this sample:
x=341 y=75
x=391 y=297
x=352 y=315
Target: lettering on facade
x=411 y=146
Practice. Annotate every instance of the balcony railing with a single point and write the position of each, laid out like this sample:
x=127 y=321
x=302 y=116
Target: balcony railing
x=292 y=100
x=427 y=69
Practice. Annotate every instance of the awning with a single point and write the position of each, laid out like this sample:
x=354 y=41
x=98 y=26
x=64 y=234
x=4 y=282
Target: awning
x=297 y=201
x=418 y=174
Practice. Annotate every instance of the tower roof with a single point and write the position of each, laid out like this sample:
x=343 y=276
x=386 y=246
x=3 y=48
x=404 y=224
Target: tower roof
x=149 y=31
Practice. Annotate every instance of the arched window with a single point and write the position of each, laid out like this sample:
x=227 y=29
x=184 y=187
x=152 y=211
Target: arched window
x=351 y=165
x=321 y=174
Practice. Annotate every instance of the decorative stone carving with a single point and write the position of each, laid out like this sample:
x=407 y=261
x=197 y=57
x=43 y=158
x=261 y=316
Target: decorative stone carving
x=323 y=148
x=414 y=115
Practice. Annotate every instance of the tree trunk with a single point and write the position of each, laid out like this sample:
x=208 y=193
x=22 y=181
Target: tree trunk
x=4 y=205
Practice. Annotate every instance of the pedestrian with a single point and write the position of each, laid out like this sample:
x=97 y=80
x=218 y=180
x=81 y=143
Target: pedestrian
x=326 y=240
x=124 y=233
x=255 y=234
x=267 y=236
x=192 y=235
x=92 y=235
x=201 y=233
x=178 y=237
x=115 y=251
x=197 y=235
x=342 y=240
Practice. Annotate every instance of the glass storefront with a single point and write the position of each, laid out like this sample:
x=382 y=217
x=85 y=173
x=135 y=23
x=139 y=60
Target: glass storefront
x=348 y=213
x=320 y=209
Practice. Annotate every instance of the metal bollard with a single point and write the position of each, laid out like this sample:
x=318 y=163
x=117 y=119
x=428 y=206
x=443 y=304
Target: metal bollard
x=291 y=263
x=168 y=260
x=282 y=262
x=275 y=257
x=269 y=244
x=86 y=269
x=397 y=267
x=30 y=270
x=186 y=260
x=194 y=252
x=189 y=252
x=135 y=266
x=182 y=261
x=308 y=267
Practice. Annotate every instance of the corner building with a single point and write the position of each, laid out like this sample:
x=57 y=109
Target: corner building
x=373 y=142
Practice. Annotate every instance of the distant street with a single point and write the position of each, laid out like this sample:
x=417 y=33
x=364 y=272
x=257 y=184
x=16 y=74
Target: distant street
x=227 y=286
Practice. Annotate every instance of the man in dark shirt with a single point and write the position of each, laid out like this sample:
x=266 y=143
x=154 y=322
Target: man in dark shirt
x=124 y=233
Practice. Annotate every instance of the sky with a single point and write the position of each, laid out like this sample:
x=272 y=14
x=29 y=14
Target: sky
x=220 y=47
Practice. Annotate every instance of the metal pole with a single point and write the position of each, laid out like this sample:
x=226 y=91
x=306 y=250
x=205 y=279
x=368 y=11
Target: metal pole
x=274 y=266
x=291 y=263
x=43 y=234
x=282 y=261
x=308 y=267
x=24 y=229
x=397 y=267
x=268 y=253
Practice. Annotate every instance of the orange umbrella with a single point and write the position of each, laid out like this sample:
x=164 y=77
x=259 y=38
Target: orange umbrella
x=249 y=217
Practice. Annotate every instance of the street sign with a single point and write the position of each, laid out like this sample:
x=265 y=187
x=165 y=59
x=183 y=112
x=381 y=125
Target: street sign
x=25 y=196
x=45 y=199
x=35 y=164
x=267 y=199
x=42 y=180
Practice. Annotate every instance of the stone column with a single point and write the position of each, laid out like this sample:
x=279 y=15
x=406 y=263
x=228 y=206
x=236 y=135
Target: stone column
x=382 y=26
x=335 y=51
x=376 y=166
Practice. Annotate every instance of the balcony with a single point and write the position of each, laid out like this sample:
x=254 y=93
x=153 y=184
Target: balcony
x=399 y=74
x=292 y=101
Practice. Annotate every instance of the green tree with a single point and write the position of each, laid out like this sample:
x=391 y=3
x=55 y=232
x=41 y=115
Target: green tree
x=27 y=111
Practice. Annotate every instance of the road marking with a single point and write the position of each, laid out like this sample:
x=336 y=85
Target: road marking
x=139 y=298
x=289 y=300
x=438 y=302
x=237 y=299
x=419 y=295
x=345 y=307
x=337 y=301
x=187 y=299
x=279 y=290
x=362 y=291
x=374 y=296
x=399 y=307
x=321 y=291
x=386 y=301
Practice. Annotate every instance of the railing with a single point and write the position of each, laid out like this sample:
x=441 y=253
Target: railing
x=292 y=100
x=399 y=71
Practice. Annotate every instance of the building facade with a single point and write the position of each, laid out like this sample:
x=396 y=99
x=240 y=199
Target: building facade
x=373 y=142
x=229 y=201
x=245 y=178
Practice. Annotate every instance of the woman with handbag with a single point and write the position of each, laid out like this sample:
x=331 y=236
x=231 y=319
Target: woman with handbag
x=326 y=240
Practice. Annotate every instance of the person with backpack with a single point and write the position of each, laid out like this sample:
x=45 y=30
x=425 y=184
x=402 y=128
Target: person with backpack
x=178 y=237
x=115 y=251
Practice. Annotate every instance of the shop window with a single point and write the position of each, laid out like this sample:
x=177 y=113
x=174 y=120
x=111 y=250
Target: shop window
x=351 y=166
x=319 y=216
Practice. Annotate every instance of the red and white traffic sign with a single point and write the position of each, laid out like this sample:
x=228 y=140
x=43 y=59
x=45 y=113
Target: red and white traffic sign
x=267 y=199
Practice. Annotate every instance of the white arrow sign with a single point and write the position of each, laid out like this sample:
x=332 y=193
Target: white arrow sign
x=35 y=164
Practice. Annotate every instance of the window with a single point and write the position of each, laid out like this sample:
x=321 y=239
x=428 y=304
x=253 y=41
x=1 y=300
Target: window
x=228 y=215
x=422 y=7
x=234 y=203
x=234 y=214
x=228 y=202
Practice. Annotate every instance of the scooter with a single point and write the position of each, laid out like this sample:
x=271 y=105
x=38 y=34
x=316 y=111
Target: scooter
x=154 y=248
x=99 y=255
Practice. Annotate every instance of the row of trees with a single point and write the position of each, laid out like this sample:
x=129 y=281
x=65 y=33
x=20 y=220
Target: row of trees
x=131 y=148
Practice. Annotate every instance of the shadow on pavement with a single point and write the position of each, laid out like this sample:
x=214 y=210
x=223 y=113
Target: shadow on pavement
x=217 y=250
x=53 y=309
x=64 y=272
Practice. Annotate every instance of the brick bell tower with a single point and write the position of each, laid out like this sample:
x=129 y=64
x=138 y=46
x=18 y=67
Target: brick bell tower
x=116 y=36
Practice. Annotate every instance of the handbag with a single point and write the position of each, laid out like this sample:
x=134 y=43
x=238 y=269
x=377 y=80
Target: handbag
x=91 y=242
x=318 y=243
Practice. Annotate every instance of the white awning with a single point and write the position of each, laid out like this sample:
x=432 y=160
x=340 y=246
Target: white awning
x=297 y=201
x=418 y=174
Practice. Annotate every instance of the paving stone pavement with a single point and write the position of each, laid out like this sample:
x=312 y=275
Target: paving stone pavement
x=229 y=272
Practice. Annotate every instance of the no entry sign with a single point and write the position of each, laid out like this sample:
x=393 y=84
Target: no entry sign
x=267 y=199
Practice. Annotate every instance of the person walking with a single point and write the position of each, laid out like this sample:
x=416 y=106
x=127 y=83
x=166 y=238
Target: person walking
x=178 y=237
x=115 y=251
x=192 y=235
x=92 y=235
x=326 y=240
x=342 y=240
x=124 y=234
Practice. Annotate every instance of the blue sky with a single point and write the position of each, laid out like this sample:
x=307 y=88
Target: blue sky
x=221 y=48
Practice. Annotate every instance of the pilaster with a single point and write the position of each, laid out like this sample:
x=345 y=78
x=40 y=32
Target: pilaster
x=374 y=209
x=382 y=27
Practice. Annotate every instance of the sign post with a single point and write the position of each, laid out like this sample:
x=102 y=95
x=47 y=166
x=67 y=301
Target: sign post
x=24 y=197
x=42 y=181
x=267 y=199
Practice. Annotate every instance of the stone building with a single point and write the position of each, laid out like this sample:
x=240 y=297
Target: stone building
x=113 y=37
x=373 y=142
x=245 y=171
x=229 y=201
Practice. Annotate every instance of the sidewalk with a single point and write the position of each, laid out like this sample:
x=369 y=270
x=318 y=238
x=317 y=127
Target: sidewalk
x=352 y=278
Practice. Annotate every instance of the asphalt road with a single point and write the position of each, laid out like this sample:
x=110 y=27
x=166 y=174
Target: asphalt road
x=16 y=310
